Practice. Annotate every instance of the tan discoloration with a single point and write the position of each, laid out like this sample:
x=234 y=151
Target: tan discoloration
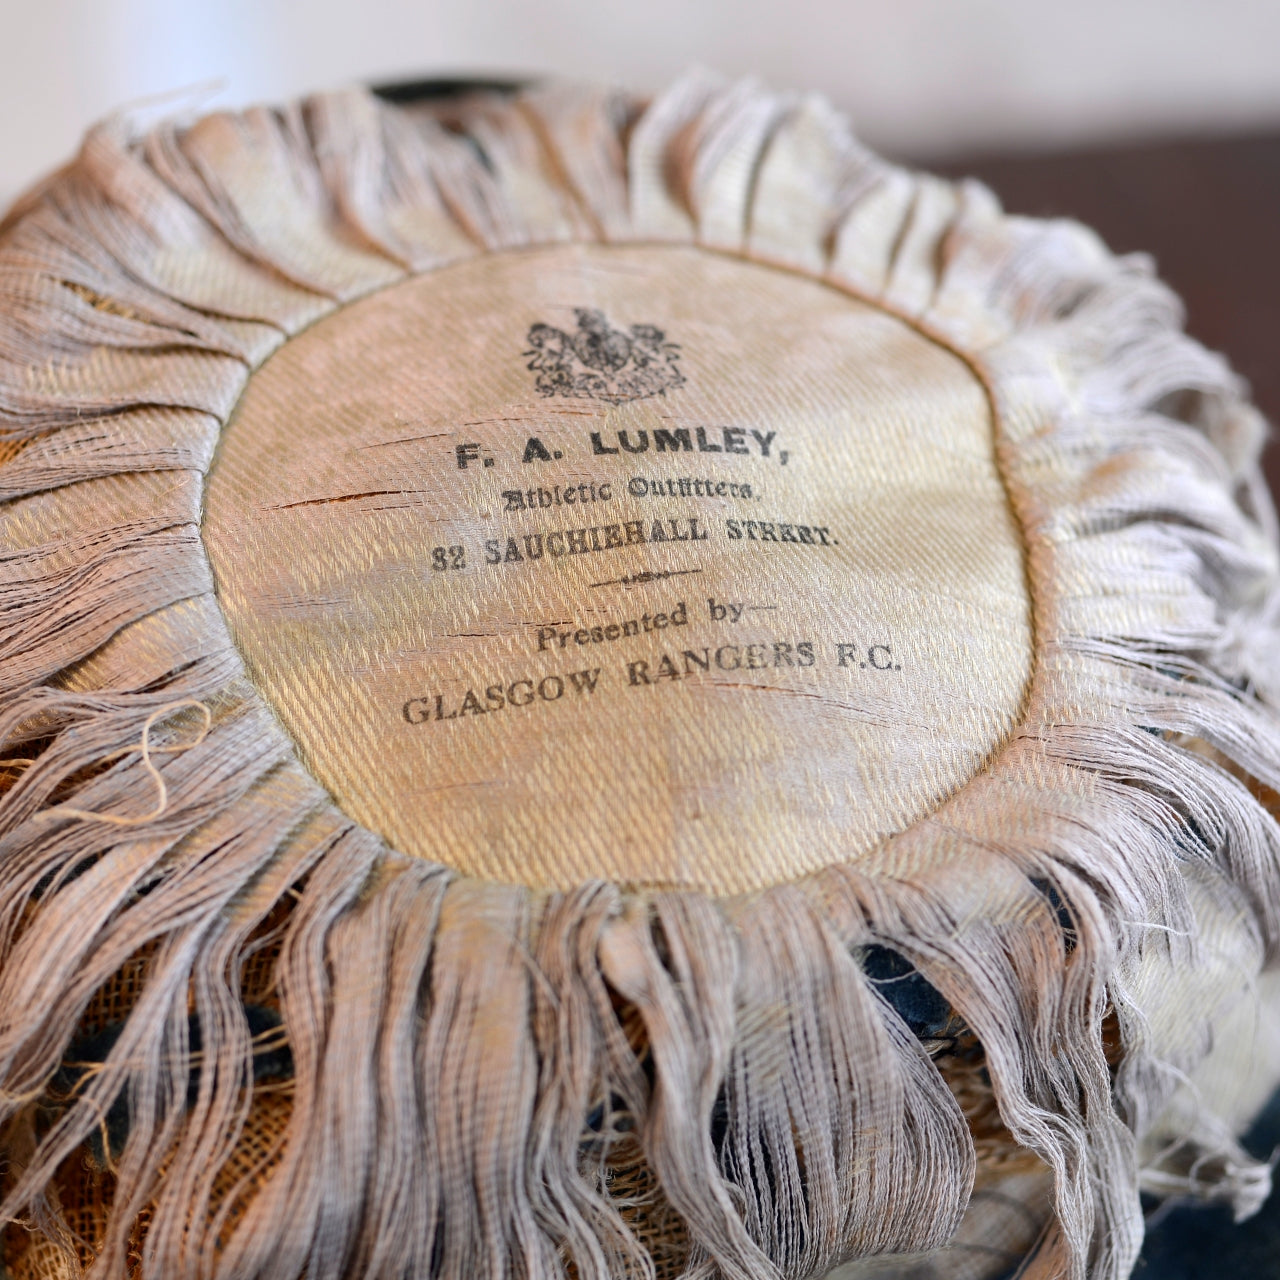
x=838 y=556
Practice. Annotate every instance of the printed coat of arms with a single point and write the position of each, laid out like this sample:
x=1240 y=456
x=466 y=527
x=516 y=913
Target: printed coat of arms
x=598 y=362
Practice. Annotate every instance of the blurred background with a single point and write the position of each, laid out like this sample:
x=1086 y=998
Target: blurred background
x=920 y=77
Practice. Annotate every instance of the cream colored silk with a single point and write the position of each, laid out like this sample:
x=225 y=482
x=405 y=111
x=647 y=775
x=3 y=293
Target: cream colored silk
x=716 y=636
x=341 y=935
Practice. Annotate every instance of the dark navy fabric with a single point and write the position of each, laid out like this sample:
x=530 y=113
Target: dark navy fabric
x=1189 y=1243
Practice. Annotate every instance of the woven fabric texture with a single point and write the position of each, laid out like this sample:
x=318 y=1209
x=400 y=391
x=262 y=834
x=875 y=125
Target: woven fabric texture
x=244 y=1034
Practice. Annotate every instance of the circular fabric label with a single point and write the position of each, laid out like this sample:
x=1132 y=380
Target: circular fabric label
x=638 y=563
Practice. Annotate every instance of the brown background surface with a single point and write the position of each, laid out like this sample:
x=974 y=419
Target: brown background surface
x=1207 y=210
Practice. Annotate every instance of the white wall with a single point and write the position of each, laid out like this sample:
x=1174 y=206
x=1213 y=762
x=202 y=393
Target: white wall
x=919 y=76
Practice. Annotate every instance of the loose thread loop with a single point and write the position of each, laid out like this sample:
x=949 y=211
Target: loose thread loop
x=147 y=750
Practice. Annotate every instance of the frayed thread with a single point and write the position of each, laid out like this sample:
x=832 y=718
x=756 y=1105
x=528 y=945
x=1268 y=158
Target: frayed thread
x=488 y=1081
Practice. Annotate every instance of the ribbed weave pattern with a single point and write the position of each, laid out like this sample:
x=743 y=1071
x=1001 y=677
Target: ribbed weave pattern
x=488 y=1081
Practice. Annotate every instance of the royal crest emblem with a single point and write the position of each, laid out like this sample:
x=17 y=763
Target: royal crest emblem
x=598 y=362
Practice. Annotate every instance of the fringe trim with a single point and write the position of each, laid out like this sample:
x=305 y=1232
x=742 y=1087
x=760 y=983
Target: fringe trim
x=473 y=1063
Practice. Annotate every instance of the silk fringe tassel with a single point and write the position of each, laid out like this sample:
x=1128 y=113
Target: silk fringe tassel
x=458 y=1058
